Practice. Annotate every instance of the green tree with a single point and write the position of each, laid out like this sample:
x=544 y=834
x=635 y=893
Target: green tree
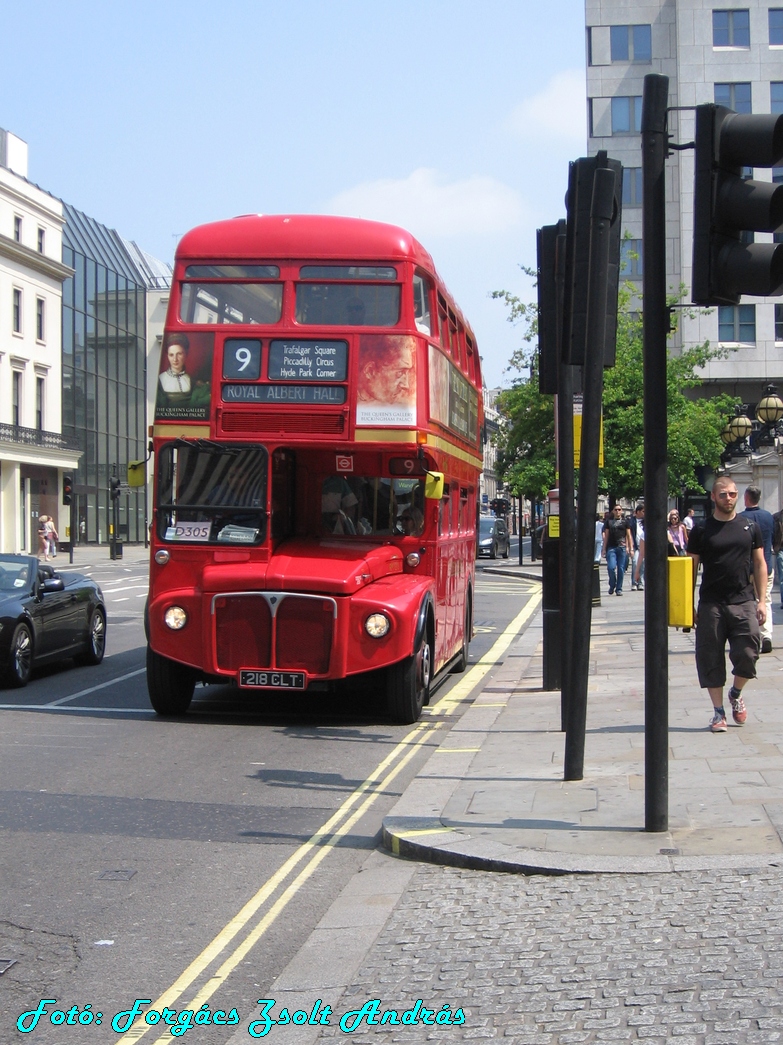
x=525 y=445
x=526 y=441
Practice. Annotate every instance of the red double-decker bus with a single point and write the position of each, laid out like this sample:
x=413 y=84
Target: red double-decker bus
x=317 y=447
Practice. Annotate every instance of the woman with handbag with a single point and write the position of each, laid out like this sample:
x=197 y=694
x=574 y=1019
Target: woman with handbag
x=676 y=535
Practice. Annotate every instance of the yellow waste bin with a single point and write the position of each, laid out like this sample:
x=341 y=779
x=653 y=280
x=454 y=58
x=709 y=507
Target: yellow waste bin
x=680 y=591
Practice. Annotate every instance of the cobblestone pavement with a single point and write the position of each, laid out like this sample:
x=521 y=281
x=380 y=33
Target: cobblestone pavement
x=693 y=958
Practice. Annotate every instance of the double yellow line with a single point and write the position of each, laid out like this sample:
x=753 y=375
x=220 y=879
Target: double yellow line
x=318 y=847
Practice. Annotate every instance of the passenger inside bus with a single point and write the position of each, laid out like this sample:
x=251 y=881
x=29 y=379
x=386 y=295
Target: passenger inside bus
x=371 y=505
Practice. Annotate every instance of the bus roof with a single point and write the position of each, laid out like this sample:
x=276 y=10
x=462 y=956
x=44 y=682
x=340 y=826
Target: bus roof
x=271 y=236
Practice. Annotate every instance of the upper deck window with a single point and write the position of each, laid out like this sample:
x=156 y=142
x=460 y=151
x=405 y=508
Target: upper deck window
x=422 y=312
x=347 y=272
x=232 y=272
x=224 y=302
x=347 y=305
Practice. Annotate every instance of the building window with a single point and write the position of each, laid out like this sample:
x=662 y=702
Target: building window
x=776 y=97
x=779 y=322
x=16 y=398
x=776 y=26
x=734 y=96
x=631 y=259
x=627 y=115
x=17 y=311
x=632 y=186
x=40 y=319
x=631 y=43
x=17 y=228
x=39 y=404
x=737 y=324
x=41 y=240
x=731 y=28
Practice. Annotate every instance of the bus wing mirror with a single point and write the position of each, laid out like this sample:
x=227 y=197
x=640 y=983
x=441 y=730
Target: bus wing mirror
x=137 y=473
x=433 y=486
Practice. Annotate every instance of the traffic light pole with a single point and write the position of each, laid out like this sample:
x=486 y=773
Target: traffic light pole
x=656 y=328
x=602 y=216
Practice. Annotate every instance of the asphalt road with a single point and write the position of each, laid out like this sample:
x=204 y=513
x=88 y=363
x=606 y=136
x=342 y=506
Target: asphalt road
x=174 y=860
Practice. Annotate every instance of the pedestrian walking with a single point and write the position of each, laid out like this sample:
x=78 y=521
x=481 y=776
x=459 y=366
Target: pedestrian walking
x=51 y=537
x=676 y=534
x=687 y=522
x=766 y=524
x=637 y=538
x=617 y=549
x=42 y=542
x=731 y=549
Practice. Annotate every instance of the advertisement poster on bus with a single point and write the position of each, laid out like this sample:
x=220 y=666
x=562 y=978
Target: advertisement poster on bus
x=183 y=390
x=386 y=393
x=453 y=402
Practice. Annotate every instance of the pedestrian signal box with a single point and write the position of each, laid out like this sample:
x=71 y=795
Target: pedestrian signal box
x=680 y=591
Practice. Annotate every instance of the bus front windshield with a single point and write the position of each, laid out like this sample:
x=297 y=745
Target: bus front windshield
x=212 y=493
x=372 y=505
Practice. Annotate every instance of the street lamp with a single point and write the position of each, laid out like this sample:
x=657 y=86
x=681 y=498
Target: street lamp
x=741 y=426
x=770 y=408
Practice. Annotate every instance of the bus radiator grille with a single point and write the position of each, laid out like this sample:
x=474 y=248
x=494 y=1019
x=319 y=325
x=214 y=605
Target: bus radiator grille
x=304 y=635
x=283 y=421
x=243 y=633
x=301 y=632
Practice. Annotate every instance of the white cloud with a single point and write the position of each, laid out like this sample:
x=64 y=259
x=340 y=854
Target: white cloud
x=428 y=205
x=559 y=111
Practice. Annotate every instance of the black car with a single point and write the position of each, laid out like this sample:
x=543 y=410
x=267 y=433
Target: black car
x=46 y=617
x=493 y=538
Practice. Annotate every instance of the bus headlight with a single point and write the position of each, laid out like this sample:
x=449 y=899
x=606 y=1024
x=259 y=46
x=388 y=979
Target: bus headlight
x=377 y=625
x=175 y=618
x=162 y=557
x=413 y=558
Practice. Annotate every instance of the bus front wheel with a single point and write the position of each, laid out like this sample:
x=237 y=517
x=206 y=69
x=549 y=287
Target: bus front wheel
x=170 y=685
x=408 y=684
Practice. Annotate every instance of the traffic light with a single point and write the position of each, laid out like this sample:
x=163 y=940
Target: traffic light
x=726 y=205
x=551 y=268
x=579 y=198
x=67 y=489
x=114 y=486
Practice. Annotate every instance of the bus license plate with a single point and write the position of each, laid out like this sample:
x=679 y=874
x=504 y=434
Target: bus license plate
x=271 y=679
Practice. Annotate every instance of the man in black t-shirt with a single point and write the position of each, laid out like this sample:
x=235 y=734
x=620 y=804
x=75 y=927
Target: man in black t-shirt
x=617 y=548
x=731 y=549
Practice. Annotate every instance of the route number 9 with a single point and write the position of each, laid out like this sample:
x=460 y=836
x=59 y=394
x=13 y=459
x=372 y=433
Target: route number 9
x=242 y=358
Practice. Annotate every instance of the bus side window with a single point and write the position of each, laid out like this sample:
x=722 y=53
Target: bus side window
x=444 y=512
x=421 y=304
x=443 y=320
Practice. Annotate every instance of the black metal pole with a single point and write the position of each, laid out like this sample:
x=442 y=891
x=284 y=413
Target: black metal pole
x=656 y=327
x=565 y=428
x=519 y=503
x=601 y=215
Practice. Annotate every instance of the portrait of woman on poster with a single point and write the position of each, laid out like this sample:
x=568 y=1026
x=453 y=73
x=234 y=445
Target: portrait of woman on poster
x=174 y=384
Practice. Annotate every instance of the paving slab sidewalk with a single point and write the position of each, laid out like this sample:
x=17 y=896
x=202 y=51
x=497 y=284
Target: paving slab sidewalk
x=492 y=795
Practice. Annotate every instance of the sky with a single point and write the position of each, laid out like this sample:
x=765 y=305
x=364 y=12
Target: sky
x=453 y=118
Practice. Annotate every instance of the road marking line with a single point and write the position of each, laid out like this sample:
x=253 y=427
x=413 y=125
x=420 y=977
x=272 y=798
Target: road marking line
x=93 y=689
x=317 y=847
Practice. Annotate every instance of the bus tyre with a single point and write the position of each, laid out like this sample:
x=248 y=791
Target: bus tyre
x=408 y=684
x=170 y=685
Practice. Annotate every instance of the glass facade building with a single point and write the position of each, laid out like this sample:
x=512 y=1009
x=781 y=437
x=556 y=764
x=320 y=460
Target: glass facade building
x=104 y=357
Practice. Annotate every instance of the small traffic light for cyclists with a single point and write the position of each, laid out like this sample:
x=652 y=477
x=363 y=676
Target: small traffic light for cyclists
x=67 y=489
x=114 y=486
x=728 y=207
